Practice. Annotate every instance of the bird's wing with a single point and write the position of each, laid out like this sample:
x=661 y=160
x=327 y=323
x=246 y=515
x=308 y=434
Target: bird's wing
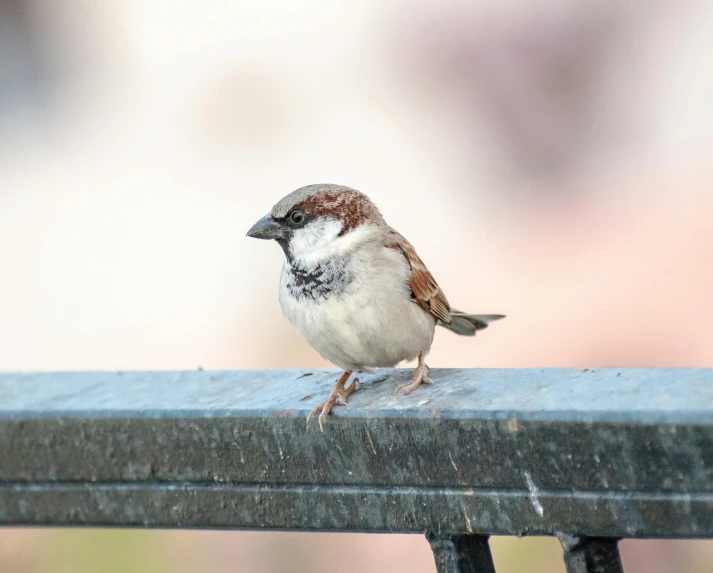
x=424 y=288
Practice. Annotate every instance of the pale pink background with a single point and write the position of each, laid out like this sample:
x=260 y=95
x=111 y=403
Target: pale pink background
x=551 y=161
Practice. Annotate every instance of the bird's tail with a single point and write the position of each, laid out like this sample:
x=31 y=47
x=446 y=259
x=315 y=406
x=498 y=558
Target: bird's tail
x=468 y=324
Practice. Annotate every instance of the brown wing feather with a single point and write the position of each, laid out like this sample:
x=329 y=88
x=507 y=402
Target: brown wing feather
x=424 y=288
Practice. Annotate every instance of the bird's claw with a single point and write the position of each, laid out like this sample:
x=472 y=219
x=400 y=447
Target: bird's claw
x=420 y=376
x=338 y=396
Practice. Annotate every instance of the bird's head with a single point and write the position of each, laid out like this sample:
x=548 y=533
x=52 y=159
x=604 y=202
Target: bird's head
x=320 y=221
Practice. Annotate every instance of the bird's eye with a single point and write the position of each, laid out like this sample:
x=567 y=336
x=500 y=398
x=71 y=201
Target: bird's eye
x=297 y=217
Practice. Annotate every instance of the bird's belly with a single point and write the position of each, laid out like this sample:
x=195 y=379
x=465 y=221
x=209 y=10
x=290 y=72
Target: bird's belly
x=361 y=329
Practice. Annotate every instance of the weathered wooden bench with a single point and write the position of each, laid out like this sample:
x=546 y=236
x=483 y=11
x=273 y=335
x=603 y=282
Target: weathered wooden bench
x=589 y=455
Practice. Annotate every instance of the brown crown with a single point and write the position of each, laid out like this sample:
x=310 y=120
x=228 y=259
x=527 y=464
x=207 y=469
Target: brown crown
x=347 y=205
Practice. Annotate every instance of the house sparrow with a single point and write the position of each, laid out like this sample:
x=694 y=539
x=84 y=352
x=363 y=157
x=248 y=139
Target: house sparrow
x=355 y=288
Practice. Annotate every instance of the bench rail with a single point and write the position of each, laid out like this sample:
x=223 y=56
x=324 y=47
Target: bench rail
x=588 y=455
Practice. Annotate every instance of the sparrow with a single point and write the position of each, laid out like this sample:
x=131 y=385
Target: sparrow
x=355 y=288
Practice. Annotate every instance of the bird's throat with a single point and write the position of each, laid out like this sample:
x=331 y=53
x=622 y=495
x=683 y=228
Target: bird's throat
x=329 y=278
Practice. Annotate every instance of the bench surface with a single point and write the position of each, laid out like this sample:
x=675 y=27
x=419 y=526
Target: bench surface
x=596 y=452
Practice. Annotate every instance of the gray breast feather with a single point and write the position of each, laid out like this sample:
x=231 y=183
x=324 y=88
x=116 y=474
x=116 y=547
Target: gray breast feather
x=327 y=279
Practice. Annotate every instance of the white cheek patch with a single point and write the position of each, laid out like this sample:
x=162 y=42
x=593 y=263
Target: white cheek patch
x=320 y=240
x=314 y=239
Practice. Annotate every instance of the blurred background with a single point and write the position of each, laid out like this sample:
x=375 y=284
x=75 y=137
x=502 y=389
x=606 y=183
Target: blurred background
x=551 y=161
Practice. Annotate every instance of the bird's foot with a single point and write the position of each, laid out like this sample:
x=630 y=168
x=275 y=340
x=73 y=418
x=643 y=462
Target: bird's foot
x=340 y=394
x=420 y=376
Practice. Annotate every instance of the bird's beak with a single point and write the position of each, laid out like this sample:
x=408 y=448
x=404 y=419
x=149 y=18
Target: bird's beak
x=267 y=228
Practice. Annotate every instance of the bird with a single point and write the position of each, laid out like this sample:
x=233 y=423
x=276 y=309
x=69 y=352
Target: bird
x=355 y=288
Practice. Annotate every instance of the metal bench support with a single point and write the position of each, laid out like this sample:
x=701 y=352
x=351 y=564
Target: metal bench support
x=461 y=553
x=592 y=555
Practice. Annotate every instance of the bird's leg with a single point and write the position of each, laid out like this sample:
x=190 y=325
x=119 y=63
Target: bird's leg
x=420 y=376
x=339 y=395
